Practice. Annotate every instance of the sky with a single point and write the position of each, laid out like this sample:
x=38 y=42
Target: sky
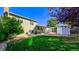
x=1 y=10
x=40 y=14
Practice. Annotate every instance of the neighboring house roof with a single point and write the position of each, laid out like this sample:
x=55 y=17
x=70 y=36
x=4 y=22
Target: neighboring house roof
x=19 y=16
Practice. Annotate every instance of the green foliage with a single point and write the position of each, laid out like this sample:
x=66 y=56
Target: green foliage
x=42 y=43
x=52 y=22
x=2 y=36
x=39 y=29
x=9 y=26
x=68 y=15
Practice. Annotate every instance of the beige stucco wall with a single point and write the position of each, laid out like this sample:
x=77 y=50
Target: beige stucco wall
x=26 y=24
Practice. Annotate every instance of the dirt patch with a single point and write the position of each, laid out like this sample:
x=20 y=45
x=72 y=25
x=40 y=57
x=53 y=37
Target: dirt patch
x=21 y=36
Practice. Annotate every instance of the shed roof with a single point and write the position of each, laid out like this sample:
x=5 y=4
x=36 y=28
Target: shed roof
x=62 y=24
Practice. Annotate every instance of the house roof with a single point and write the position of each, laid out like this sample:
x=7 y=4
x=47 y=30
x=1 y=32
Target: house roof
x=16 y=15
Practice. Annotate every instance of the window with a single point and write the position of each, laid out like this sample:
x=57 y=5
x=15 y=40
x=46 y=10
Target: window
x=31 y=23
x=16 y=18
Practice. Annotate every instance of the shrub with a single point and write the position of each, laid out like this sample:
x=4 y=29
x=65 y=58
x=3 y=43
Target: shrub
x=2 y=36
x=42 y=43
x=38 y=29
x=9 y=26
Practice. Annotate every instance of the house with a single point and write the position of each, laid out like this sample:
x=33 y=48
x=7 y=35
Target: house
x=27 y=23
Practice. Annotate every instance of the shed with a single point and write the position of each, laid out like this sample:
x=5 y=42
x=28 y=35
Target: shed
x=63 y=29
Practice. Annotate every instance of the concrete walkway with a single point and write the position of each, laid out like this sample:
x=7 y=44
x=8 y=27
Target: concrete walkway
x=3 y=46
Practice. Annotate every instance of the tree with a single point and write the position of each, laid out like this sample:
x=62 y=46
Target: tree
x=9 y=26
x=69 y=15
x=52 y=22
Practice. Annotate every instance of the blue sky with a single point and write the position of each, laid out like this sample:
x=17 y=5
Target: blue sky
x=1 y=10
x=40 y=14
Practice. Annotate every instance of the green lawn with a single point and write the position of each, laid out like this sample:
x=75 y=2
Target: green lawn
x=44 y=43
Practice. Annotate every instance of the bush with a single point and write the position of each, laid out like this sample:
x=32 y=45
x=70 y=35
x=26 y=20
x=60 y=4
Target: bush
x=2 y=36
x=42 y=43
x=38 y=29
x=9 y=26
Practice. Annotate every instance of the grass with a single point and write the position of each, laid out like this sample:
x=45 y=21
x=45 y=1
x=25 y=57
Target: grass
x=44 y=43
